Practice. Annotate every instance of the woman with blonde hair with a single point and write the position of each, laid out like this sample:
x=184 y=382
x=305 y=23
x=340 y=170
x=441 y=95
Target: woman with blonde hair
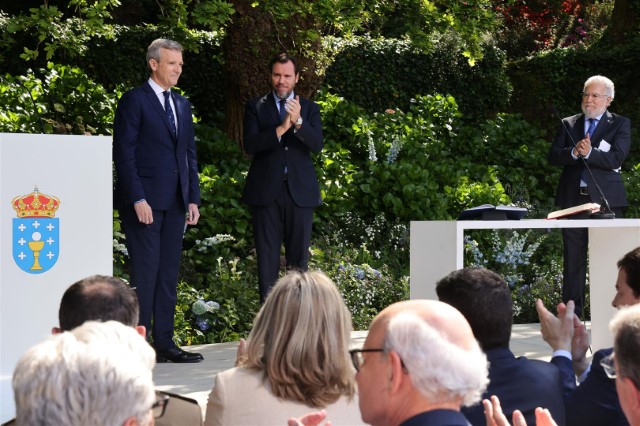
x=296 y=359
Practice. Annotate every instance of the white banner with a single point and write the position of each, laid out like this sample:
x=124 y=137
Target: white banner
x=56 y=225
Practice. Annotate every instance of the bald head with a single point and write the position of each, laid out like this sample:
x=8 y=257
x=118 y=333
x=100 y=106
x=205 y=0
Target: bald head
x=438 y=354
x=444 y=318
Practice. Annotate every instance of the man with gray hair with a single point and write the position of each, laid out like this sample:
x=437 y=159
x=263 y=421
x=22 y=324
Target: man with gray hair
x=96 y=374
x=624 y=363
x=157 y=190
x=602 y=141
x=420 y=363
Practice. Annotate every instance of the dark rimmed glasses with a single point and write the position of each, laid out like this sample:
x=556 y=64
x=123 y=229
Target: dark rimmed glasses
x=595 y=96
x=357 y=358
x=160 y=406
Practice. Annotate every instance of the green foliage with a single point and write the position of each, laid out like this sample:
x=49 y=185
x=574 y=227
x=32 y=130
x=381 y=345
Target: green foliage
x=67 y=99
x=409 y=166
x=47 y=28
x=231 y=302
x=369 y=279
x=389 y=73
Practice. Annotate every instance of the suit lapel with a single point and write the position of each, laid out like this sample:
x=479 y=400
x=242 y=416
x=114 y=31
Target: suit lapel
x=605 y=122
x=159 y=108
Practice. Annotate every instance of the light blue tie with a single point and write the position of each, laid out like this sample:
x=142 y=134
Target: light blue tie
x=169 y=111
x=593 y=122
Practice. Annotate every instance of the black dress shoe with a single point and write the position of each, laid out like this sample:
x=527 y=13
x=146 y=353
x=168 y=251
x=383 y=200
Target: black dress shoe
x=177 y=355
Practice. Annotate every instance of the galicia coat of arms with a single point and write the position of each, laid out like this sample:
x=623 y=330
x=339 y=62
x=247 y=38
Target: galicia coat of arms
x=36 y=232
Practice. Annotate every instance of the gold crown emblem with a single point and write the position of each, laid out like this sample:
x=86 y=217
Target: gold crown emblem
x=35 y=204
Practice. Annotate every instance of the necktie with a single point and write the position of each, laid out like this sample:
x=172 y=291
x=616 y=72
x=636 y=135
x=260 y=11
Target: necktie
x=169 y=111
x=283 y=110
x=592 y=126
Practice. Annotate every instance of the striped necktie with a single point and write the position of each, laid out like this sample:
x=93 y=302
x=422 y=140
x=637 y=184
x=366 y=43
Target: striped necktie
x=169 y=111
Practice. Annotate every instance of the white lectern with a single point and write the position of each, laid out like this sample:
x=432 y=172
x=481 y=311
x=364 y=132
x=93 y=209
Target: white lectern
x=437 y=248
x=56 y=220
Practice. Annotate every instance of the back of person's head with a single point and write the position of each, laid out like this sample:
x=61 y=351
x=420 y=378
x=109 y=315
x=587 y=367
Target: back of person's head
x=98 y=298
x=630 y=263
x=625 y=326
x=484 y=298
x=300 y=340
x=443 y=367
x=96 y=374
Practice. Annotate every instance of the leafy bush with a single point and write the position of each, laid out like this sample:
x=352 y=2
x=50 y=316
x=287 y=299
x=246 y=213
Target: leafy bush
x=66 y=99
x=387 y=73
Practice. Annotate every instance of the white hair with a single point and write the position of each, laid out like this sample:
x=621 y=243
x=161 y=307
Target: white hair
x=608 y=84
x=96 y=374
x=438 y=368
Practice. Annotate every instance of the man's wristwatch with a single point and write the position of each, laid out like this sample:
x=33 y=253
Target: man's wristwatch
x=298 y=122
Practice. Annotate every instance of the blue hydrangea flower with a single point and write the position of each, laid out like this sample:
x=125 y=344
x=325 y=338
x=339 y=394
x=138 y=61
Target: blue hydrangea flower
x=202 y=324
x=212 y=306
x=199 y=307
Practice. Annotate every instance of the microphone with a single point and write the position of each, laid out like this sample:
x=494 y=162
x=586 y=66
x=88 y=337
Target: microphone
x=605 y=211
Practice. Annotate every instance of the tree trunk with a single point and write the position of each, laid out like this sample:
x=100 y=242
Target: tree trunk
x=253 y=38
x=623 y=20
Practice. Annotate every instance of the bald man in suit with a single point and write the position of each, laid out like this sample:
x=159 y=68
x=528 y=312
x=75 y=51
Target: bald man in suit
x=603 y=141
x=157 y=190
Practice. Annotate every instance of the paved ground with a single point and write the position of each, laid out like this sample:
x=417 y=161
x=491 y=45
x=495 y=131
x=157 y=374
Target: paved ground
x=196 y=380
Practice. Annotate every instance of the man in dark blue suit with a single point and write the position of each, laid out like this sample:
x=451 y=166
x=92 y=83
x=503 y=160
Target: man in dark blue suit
x=484 y=299
x=281 y=130
x=603 y=141
x=157 y=186
x=595 y=400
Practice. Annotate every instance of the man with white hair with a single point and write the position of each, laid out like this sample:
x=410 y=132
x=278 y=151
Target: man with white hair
x=602 y=141
x=625 y=362
x=420 y=363
x=96 y=374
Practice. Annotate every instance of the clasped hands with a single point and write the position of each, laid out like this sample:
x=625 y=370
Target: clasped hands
x=293 y=114
x=584 y=147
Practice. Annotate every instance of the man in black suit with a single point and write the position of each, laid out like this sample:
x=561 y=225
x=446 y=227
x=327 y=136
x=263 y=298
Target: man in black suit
x=595 y=401
x=603 y=141
x=281 y=130
x=484 y=299
x=157 y=186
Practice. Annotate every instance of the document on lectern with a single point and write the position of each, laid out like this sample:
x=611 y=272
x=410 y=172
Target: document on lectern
x=587 y=207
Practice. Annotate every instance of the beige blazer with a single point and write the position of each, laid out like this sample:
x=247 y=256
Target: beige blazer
x=240 y=397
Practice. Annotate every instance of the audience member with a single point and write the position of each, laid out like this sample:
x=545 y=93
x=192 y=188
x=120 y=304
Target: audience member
x=626 y=362
x=96 y=374
x=420 y=363
x=494 y=415
x=595 y=400
x=296 y=359
x=484 y=299
x=98 y=298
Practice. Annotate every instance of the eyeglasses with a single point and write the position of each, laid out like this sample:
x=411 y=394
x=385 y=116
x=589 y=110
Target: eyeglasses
x=160 y=406
x=593 y=95
x=358 y=359
x=608 y=363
